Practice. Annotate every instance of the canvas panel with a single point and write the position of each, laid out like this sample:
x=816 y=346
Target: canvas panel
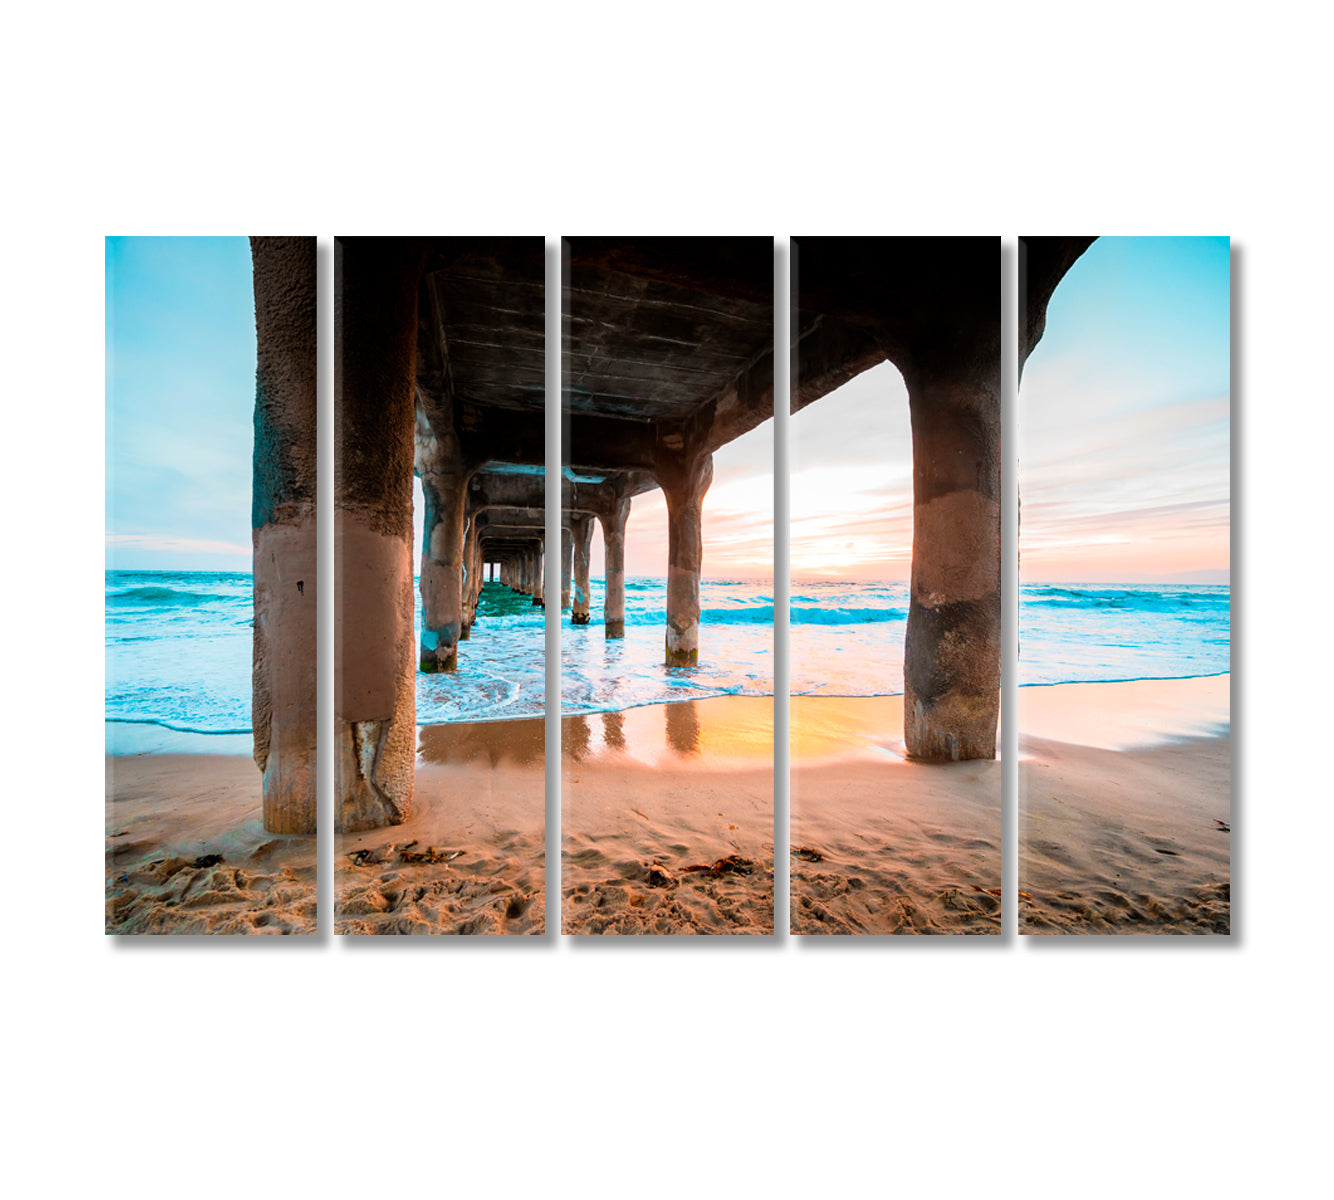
x=211 y=585
x=666 y=586
x=895 y=594
x=1125 y=598
x=439 y=658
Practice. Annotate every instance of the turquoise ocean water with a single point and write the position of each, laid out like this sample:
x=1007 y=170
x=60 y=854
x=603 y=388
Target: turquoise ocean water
x=178 y=646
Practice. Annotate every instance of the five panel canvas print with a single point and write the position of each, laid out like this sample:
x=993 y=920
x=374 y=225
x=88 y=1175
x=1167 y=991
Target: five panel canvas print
x=662 y=585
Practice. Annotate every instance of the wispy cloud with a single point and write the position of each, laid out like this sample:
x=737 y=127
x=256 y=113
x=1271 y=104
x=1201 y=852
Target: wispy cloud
x=169 y=543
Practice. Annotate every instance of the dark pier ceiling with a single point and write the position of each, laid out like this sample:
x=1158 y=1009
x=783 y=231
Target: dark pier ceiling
x=1043 y=263
x=667 y=354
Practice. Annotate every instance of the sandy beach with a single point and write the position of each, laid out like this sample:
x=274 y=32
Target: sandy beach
x=1124 y=826
x=1125 y=807
x=186 y=850
x=667 y=819
x=1124 y=816
x=882 y=845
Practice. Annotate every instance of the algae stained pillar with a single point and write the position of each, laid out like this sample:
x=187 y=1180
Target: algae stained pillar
x=444 y=476
x=581 y=531
x=283 y=530
x=952 y=647
x=684 y=477
x=613 y=545
x=375 y=297
x=566 y=565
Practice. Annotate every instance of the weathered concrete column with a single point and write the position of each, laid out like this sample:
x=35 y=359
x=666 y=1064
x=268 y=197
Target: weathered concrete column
x=444 y=536
x=613 y=588
x=478 y=577
x=684 y=479
x=375 y=298
x=469 y=587
x=952 y=653
x=566 y=565
x=283 y=531
x=534 y=560
x=581 y=535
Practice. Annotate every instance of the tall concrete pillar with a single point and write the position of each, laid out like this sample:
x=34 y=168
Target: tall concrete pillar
x=952 y=652
x=536 y=581
x=684 y=479
x=469 y=575
x=613 y=588
x=476 y=573
x=581 y=531
x=375 y=298
x=283 y=531
x=566 y=564
x=444 y=539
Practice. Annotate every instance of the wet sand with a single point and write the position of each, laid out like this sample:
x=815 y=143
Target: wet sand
x=882 y=845
x=667 y=819
x=1122 y=831
x=1124 y=816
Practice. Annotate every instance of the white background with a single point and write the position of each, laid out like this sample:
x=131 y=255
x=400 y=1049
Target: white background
x=938 y=1068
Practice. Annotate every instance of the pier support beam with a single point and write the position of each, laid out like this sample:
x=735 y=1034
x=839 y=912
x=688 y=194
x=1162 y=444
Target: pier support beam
x=444 y=476
x=613 y=545
x=566 y=564
x=469 y=589
x=534 y=561
x=581 y=535
x=283 y=537
x=375 y=713
x=952 y=651
x=684 y=479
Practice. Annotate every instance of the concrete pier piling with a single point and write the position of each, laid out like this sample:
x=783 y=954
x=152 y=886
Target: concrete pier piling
x=581 y=537
x=283 y=520
x=613 y=520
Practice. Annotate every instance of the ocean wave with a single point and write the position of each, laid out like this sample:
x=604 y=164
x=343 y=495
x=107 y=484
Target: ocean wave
x=846 y=616
x=1126 y=600
x=157 y=596
x=763 y=614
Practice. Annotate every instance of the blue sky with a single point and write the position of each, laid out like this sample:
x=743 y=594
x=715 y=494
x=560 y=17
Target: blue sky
x=1123 y=441
x=180 y=395
x=1124 y=418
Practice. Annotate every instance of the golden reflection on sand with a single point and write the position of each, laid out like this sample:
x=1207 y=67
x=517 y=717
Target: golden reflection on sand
x=835 y=727
x=715 y=732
